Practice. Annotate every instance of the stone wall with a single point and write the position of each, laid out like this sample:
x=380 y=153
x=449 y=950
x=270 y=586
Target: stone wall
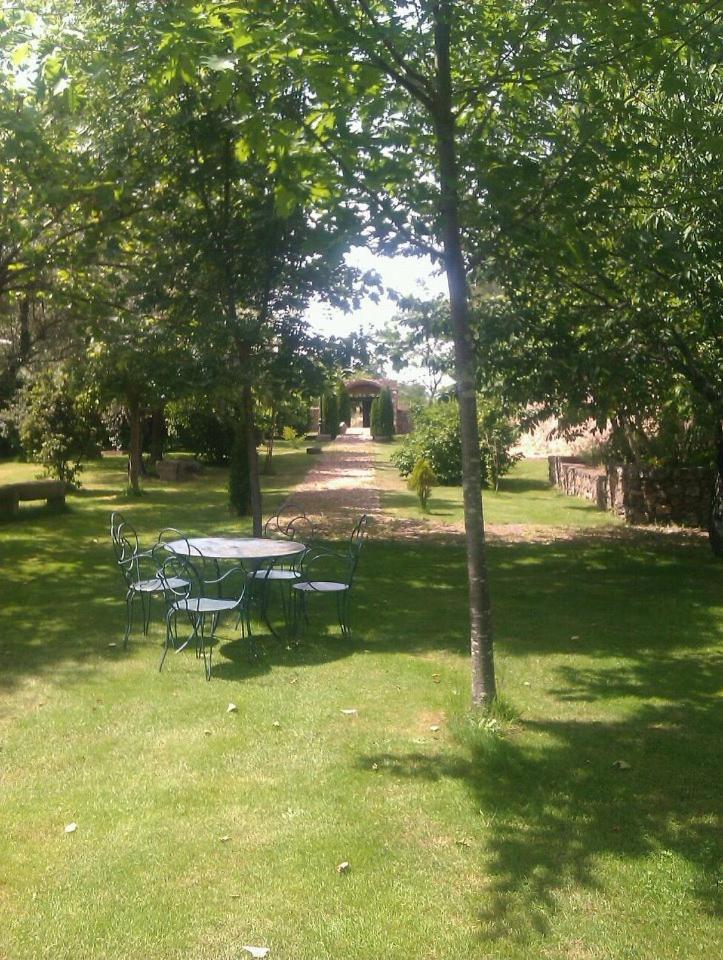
x=640 y=494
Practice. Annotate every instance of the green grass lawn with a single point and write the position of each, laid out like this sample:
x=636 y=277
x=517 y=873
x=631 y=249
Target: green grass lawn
x=524 y=496
x=200 y=830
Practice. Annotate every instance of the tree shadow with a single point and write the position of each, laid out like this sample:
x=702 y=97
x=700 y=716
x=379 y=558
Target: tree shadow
x=522 y=485
x=555 y=807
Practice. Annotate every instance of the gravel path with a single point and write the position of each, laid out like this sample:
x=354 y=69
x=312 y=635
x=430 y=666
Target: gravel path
x=343 y=484
x=340 y=487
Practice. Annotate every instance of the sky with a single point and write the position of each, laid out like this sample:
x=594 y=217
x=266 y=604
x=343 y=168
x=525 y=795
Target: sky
x=405 y=275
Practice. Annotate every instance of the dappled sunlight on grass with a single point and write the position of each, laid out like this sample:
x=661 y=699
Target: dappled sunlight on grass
x=199 y=828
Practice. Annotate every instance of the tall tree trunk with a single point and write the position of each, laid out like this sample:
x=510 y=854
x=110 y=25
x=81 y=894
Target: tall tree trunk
x=270 y=441
x=247 y=405
x=158 y=431
x=483 y=668
x=134 y=453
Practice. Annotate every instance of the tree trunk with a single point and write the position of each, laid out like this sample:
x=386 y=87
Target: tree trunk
x=483 y=669
x=270 y=442
x=247 y=405
x=158 y=432
x=134 y=453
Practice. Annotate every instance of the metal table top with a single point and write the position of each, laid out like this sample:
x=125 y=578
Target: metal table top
x=236 y=548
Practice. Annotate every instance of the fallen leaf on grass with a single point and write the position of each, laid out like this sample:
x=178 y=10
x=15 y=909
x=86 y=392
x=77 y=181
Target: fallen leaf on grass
x=71 y=828
x=256 y=951
x=232 y=708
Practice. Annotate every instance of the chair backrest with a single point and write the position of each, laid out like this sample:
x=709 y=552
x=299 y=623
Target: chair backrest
x=301 y=529
x=179 y=576
x=170 y=535
x=183 y=578
x=356 y=540
x=127 y=552
x=116 y=520
x=290 y=523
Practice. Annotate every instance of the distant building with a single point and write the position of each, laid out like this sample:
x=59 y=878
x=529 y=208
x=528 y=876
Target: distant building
x=363 y=390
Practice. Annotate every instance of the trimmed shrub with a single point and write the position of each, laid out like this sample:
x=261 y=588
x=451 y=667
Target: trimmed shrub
x=421 y=480
x=330 y=414
x=375 y=418
x=344 y=405
x=435 y=439
x=386 y=413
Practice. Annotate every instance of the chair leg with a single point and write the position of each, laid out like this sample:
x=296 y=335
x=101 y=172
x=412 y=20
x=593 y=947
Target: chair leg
x=299 y=616
x=171 y=636
x=202 y=637
x=146 y=608
x=343 y=599
x=129 y=617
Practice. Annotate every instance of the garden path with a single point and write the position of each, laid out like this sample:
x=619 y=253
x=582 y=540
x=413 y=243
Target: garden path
x=340 y=486
x=346 y=481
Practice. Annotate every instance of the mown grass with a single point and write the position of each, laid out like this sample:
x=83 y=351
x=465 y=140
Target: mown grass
x=201 y=830
x=524 y=496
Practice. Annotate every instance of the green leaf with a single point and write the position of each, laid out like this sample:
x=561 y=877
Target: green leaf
x=219 y=63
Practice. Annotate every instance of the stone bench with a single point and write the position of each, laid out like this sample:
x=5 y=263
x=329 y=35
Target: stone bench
x=177 y=469
x=11 y=494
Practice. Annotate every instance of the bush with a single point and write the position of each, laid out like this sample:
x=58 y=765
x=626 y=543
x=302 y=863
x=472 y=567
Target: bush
x=330 y=414
x=436 y=438
x=198 y=425
x=344 y=406
x=497 y=433
x=57 y=423
x=421 y=480
x=381 y=420
x=386 y=413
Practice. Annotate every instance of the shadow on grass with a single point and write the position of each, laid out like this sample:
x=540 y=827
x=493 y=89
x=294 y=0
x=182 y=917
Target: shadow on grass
x=556 y=809
x=63 y=596
x=523 y=485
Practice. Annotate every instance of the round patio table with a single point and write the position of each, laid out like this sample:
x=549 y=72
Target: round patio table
x=257 y=549
x=249 y=551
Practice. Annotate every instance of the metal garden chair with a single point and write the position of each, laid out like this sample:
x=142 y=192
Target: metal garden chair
x=289 y=524
x=138 y=570
x=328 y=571
x=188 y=595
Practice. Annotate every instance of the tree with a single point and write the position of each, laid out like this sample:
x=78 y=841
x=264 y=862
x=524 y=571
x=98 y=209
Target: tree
x=344 y=402
x=56 y=422
x=386 y=413
x=330 y=414
x=609 y=246
x=419 y=337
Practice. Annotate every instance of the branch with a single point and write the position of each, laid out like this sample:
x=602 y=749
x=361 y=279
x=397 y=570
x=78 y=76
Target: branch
x=374 y=198
x=415 y=83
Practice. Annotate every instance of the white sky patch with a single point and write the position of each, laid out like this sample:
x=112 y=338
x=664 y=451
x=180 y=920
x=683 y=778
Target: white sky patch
x=408 y=276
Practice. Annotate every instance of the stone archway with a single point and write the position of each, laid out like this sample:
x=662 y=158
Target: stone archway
x=362 y=392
